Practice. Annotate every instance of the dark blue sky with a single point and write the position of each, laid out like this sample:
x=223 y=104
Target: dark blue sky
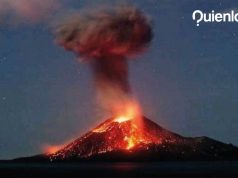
x=187 y=81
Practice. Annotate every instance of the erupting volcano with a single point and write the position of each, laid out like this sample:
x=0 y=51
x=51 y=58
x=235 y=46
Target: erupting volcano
x=105 y=39
x=121 y=139
x=115 y=134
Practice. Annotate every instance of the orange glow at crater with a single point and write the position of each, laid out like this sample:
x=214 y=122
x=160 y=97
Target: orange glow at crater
x=127 y=111
x=130 y=112
x=125 y=131
x=129 y=123
x=122 y=119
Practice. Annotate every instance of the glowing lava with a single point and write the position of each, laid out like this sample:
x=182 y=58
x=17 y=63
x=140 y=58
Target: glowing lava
x=122 y=119
x=127 y=111
x=51 y=149
x=118 y=134
x=125 y=132
x=129 y=133
x=130 y=142
x=129 y=121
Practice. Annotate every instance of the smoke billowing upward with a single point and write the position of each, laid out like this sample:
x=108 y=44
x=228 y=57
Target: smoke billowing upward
x=105 y=38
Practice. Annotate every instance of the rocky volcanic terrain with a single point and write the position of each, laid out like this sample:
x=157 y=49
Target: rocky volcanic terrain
x=123 y=140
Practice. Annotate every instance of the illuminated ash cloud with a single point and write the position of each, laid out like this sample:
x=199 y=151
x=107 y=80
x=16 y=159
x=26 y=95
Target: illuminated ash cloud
x=105 y=38
x=98 y=33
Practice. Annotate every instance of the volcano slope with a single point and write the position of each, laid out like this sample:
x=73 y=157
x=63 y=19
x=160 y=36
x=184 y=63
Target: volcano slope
x=123 y=140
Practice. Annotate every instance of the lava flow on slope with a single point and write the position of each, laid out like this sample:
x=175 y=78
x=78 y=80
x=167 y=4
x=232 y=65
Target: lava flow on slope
x=117 y=134
x=132 y=137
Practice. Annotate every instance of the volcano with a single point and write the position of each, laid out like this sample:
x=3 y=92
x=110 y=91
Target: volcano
x=121 y=139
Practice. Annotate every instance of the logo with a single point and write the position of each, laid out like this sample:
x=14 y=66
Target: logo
x=213 y=17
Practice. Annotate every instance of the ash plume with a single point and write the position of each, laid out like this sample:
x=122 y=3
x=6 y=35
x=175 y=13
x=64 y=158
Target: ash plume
x=106 y=38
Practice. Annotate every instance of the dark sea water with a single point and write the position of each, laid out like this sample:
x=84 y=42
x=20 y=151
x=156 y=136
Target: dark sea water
x=122 y=170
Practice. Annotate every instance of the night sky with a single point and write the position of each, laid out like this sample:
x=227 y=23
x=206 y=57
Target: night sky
x=187 y=81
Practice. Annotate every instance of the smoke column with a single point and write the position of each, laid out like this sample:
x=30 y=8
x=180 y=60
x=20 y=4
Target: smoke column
x=105 y=39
